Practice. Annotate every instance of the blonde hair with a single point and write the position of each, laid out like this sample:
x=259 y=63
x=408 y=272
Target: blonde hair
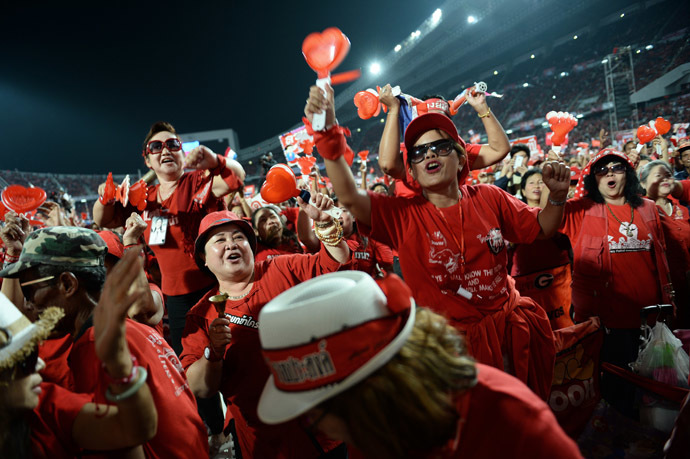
x=408 y=405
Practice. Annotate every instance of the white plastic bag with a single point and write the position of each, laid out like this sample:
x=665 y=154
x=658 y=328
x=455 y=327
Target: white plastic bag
x=662 y=358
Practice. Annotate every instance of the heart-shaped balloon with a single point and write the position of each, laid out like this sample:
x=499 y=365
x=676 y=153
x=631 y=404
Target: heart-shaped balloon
x=645 y=134
x=3 y=211
x=280 y=184
x=22 y=200
x=367 y=104
x=662 y=125
x=363 y=155
x=326 y=50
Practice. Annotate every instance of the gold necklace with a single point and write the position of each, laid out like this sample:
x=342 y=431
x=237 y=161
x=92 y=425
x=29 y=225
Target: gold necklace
x=626 y=226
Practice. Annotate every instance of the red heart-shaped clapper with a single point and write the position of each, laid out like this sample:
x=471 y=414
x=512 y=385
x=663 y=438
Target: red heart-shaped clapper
x=367 y=104
x=560 y=130
x=22 y=200
x=3 y=211
x=326 y=50
x=363 y=155
x=662 y=125
x=280 y=184
x=645 y=134
x=138 y=194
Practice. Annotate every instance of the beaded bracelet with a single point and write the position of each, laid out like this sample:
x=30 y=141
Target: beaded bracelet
x=324 y=224
x=126 y=379
x=142 y=374
x=333 y=238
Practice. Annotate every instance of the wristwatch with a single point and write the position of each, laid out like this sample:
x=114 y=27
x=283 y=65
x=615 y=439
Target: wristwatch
x=211 y=356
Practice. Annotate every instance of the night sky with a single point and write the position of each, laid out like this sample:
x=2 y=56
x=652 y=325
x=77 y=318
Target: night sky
x=80 y=83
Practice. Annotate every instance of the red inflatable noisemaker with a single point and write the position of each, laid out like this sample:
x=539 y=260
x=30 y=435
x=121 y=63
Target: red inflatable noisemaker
x=561 y=124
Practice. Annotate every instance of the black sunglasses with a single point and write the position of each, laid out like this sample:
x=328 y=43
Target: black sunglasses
x=603 y=170
x=441 y=147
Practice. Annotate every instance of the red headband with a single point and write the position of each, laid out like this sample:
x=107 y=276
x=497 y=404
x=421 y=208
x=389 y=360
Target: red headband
x=432 y=104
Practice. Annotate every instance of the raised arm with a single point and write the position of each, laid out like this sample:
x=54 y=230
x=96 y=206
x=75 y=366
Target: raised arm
x=328 y=228
x=498 y=146
x=556 y=177
x=331 y=146
x=390 y=160
x=229 y=174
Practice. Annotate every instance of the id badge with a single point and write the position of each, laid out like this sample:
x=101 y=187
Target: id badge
x=159 y=228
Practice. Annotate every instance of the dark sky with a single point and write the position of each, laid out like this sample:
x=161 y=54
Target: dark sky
x=80 y=83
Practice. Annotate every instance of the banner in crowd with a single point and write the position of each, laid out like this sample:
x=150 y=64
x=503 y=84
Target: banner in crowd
x=256 y=202
x=681 y=129
x=531 y=142
x=295 y=142
x=620 y=138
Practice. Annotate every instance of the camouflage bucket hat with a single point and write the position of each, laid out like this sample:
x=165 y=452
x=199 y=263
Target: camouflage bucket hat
x=67 y=246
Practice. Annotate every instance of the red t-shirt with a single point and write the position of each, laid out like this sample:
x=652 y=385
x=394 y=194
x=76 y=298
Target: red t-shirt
x=185 y=208
x=181 y=432
x=264 y=252
x=428 y=240
x=506 y=419
x=366 y=253
x=54 y=353
x=52 y=421
x=540 y=255
x=409 y=188
x=244 y=370
x=636 y=282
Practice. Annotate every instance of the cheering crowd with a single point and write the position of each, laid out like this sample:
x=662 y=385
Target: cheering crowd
x=417 y=316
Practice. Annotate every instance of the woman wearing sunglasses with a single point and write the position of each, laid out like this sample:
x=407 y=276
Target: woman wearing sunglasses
x=619 y=261
x=42 y=419
x=450 y=240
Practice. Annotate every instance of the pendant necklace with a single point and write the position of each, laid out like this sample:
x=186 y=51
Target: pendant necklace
x=625 y=225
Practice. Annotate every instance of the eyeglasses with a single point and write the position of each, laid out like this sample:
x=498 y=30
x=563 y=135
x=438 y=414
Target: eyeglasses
x=28 y=292
x=155 y=147
x=604 y=170
x=441 y=147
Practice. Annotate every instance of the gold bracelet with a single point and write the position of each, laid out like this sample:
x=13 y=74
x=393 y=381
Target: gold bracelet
x=333 y=238
x=485 y=114
x=324 y=224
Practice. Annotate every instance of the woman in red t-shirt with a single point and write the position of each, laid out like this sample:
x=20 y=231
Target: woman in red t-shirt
x=451 y=239
x=657 y=178
x=619 y=261
x=221 y=342
x=545 y=278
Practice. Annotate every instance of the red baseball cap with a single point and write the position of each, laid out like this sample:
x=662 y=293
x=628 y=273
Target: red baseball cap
x=683 y=144
x=112 y=240
x=430 y=122
x=220 y=218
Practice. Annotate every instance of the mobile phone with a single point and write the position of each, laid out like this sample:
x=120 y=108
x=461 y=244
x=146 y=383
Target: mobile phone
x=518 y=161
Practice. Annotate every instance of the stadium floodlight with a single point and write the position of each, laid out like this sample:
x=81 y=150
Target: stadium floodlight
x=579 y=115
x=545 y=124
x=382 y=120
x=638 y=51
x=495 y=72
x=397 y=48
x=509 y=131
x=604 y=61
x=648 y=47
x=415 y=34
x=359 y=129
x=471 y=19
x=554 y=96
x=524 y=85
x=532 y=56
x=375 y=68
x=622 y=15
x=436 y=16
x=250 y=162
x=574 y=37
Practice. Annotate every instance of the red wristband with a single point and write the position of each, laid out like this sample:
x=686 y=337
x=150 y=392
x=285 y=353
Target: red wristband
x=330 y=144
x=227 y=174
x=126 y=379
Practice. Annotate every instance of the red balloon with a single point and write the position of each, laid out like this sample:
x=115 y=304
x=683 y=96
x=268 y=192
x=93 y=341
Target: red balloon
x=367 y=104
x=325 y=51
x=280 y=184
x=363 y=155
x=662 y=125
x=645 y=134
x=22 y=200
